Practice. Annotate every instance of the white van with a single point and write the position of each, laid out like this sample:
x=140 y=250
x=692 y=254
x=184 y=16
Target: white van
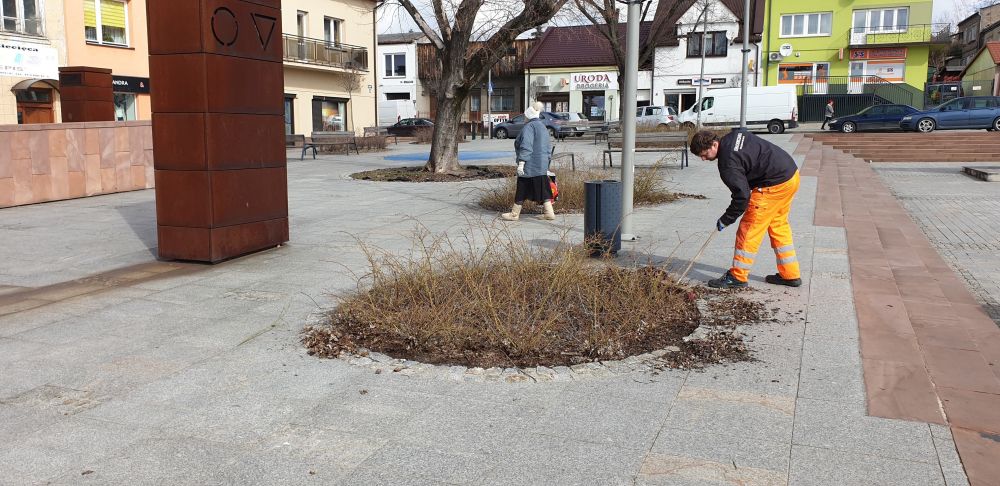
x=774 y=106
x=391 y=111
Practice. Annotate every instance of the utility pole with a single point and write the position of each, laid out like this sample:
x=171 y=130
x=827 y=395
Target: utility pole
x=746 y=61
x=628 y=100
x=704 y=38
x=489 y=101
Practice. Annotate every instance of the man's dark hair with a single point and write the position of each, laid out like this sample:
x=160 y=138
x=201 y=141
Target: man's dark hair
x=702 y=141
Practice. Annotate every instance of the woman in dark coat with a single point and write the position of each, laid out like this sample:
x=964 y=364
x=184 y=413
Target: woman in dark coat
x=534 y=151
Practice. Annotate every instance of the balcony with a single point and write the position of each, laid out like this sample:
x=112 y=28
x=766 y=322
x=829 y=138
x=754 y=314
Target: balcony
x=898 y=36
x=320 y=53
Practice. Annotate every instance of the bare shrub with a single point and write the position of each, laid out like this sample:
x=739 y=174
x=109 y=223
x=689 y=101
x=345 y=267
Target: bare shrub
x=372 y=143
x=423 y=135
x=649 y=190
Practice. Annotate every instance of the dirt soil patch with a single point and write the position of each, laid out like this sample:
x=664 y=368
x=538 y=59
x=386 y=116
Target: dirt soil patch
x=418 y=174
x=494 y=301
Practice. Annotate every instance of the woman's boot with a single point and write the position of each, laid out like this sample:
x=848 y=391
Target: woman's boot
x=549 y=213
x=514 y=214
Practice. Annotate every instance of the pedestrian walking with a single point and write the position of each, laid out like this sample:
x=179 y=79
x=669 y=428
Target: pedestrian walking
x=534 y=151
x=763 y=180
x=829 y=114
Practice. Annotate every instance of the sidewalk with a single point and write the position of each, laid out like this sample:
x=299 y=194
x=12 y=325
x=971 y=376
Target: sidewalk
x=120 y=369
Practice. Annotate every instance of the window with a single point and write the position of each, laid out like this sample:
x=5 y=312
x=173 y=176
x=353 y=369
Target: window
x=329 y=114
x=124 y=106
x=881 y=20
x=332 y=30
x=807 y=24
x=301 y=21
x=22 y=16
x=475 y=101
x=895 y=110
x=983 y=103
x=289 y=114
x=105 y=22
x=397 y=96
x=502 y=99
x=795 y=73
x=708 y=103
x=395 y=65
x=715 y=44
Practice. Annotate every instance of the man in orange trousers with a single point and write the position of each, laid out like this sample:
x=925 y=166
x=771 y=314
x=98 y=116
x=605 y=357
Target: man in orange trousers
x=763 y=180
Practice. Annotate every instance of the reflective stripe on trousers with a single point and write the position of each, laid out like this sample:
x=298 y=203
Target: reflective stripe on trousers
x=767 y=212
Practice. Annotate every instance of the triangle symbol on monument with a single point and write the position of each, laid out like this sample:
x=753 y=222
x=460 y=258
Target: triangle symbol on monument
x=265 y=28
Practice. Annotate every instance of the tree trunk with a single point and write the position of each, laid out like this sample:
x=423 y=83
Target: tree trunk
x=444 y=144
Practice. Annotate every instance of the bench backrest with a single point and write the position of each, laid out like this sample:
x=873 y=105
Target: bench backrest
x=369 y=131
x=652 y=139
x=332 y=136
x=292 y=140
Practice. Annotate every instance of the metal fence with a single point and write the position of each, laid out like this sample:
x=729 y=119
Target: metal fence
x=320 y=52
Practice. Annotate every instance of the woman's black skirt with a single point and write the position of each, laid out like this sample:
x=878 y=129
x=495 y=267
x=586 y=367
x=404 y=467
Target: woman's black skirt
x=533 y=189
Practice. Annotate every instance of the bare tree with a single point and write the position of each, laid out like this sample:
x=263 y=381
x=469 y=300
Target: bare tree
x=605 y=16
x=467 y=47
x=352 y=82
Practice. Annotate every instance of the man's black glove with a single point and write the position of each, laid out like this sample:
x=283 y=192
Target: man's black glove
x=719 y=225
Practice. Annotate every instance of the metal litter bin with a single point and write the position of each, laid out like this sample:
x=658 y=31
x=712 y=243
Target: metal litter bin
x=602 y=216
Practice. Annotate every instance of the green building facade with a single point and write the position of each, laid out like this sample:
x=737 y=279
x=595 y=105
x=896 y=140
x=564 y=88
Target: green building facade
x=847 y=42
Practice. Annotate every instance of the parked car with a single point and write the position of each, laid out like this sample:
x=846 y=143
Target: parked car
x=774 y=106
x=407 y=126
x=657 y=116
x=878 y=117
x=968 y=112
x=513 y=127
x=576 y=124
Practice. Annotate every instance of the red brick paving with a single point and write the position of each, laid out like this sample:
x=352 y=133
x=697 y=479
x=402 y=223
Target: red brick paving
x=929 y=351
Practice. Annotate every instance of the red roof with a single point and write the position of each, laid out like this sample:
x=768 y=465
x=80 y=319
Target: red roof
x=994 y=48
x=578 y=45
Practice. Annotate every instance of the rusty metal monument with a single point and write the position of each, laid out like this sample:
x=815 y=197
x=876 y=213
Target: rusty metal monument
x=218 y=127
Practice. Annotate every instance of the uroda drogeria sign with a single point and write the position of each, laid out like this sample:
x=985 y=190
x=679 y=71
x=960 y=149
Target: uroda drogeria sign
x=593 y=81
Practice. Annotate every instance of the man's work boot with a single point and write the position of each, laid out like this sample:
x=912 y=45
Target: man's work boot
x=514 y=214
x=777 y=280
x=726 y=281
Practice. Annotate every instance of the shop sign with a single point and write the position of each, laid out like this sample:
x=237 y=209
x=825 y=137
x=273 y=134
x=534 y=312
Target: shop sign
x=594 y=81
x=497 y=118
x=21 y=60
x=878 y=53
x=128 y=84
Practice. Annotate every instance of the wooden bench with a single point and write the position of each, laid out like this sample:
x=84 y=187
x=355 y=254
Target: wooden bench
x=383 y=131
x=330 y=139
x=294 y=140
x=604 y=131
x=649 y=142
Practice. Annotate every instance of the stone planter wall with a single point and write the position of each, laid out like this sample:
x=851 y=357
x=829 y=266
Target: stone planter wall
x=52 y=162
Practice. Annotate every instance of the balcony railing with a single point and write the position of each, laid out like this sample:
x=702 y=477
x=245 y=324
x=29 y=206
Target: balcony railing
x=322 y=53
x=895 y=35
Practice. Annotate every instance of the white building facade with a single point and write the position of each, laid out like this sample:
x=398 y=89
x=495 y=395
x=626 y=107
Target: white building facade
x=677 y=69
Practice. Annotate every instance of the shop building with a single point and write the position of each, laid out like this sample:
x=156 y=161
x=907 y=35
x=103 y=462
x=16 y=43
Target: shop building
x=32 y=47
x=853 y=44
x=573 y=69
x=330 y=84
x=718 y=31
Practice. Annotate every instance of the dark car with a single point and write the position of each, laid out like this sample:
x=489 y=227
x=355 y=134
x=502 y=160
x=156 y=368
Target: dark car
x=512 y=128
x=970 y=112
x=878 y=117
x=407 y=126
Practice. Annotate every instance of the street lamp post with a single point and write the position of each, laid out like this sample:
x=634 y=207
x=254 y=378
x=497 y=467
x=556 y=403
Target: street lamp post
x=746 y=61
x=628 y=101
x=701 y=74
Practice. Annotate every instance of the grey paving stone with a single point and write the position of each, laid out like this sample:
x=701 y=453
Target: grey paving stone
x=723 y=449
x=31 y=319
x=535 y=459
x=604 y=420
x=831 y=287
x=377 y=413
x=815 y=466
x=825 y=262
x=832 y=318
x=774 y=372
x=737 y=414
x=468 y=427
x=399 y=463
x=837 y=383
x=845 y=427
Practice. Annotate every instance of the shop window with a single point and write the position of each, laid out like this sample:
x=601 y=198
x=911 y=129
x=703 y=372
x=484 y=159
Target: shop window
x=33 y=95
x=106 y=22
x=593 y=105
x=502 y=100
x=125 y=107
x=715 y=43
x=22 y=16
x=807 y=24
x=332 y=30
x=395 y=65
x=795 y=73
x=329 y=114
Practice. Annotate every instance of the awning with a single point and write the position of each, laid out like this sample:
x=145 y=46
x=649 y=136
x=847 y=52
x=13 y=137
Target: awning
x=27 y=83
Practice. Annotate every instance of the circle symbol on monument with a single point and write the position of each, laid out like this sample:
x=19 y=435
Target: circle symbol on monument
x=225 y=28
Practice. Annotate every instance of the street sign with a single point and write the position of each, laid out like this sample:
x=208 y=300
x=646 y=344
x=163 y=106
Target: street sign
x=497 y=118
x=489 y=87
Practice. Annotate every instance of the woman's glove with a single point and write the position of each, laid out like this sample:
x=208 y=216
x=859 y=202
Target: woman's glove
x=520 y=168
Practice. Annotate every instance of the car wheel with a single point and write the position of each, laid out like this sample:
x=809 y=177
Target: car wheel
x=996 y=124
x=501 y=133
x=926 y=125
x=579 y=134
x=848 y=127
x=775 y=127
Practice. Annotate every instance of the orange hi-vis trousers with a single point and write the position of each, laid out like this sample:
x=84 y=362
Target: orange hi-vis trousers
x=768 y=211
